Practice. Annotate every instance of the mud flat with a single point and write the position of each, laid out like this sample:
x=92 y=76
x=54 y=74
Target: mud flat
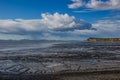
x=52 y=60
x=97 y=76
x=94 y=75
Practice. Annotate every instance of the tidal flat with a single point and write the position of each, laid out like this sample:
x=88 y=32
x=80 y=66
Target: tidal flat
x=59 y=60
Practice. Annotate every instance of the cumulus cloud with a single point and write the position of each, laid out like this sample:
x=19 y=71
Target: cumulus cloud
x=102 y=28
x=76 y=4
x=110 y=25
x=58 y=21
x=57 y=26
x=104 y=5
x=48 y=25
x=97 y=4
x=19 y=26
x=63 y=22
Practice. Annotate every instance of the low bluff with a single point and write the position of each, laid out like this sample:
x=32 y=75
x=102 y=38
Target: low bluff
x=103 y=39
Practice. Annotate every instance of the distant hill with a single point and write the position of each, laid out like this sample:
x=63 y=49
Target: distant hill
x=103 y=39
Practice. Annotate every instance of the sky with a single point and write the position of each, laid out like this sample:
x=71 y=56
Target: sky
x=59 y=19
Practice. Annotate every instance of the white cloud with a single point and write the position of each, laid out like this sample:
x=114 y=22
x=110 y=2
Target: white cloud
x=102 y=28
x=108 y=25
x=104 y=5
x=107 y=28
x=49 y=24
x=76 y=4
x=17 y=25
x=57 y=26
x=58 y=21
x=98 y=4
